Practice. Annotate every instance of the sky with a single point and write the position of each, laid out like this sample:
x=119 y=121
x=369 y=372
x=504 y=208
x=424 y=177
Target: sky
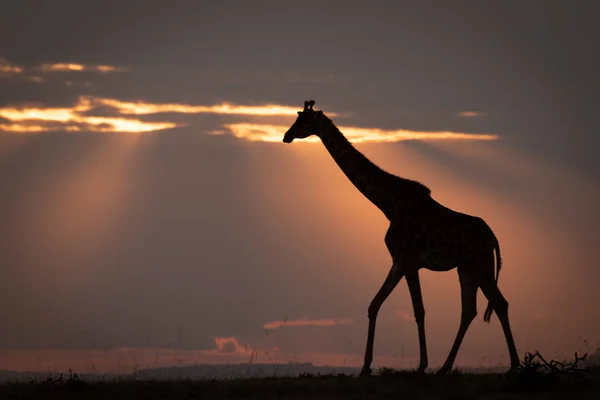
x=151 y=215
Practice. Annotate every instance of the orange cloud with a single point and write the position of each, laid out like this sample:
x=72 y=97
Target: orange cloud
x=73 y=67
x=142 y=108
x=7 y=69
x=274 y=133
x=44 y=114
x=307 y=322
x=18 y=128
x=71 y=118
x=260 y=132
x=231 y=345
x=104 y=124
x=471 y=114
x=38 y=119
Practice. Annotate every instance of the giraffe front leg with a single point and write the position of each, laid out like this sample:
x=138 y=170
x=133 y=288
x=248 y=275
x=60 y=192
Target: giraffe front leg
x=414 y=286
x=388 y=286
x=468 y=291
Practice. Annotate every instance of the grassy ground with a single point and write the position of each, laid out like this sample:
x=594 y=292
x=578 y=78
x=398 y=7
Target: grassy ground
x=389 y=384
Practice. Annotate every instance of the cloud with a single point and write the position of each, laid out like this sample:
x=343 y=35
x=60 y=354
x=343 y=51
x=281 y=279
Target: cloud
x=42 y=119
x=471 y=114
x=143 y=108
x=274 y=133
x=18 y=128
x=8 y=69
x=65 y=114
x=73 y=67
x=258 y=132
x=307 y=322
x=72 y=119
x=231 y=345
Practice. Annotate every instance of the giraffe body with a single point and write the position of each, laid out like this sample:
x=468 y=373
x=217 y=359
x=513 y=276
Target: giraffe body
x=439 y=238
x=422 y=234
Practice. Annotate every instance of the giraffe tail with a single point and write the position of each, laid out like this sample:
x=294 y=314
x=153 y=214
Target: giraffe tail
x=488 y=311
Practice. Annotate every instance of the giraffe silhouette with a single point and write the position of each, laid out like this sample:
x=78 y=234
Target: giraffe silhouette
x=422 y=234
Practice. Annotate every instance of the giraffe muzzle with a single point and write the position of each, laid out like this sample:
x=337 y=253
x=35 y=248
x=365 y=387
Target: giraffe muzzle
x=288 y=137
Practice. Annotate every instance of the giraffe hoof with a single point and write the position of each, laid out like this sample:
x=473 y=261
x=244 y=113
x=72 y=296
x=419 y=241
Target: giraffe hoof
x=442 y=371
x=365 y=372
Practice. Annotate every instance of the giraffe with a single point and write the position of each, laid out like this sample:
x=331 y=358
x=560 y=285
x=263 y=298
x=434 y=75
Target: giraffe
x=422 y=234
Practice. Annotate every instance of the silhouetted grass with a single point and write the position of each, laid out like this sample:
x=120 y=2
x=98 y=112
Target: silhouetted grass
x=535 y=379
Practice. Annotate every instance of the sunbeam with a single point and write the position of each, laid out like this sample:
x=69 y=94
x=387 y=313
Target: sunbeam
x=70 y=217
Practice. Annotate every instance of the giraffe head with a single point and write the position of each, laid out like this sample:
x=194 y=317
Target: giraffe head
x=308 y=123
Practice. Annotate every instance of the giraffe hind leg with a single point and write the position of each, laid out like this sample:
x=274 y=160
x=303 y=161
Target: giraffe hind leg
x=490 y=289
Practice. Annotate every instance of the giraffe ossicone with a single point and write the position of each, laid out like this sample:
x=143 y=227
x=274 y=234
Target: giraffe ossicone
x=308 y=105
x=422 y=234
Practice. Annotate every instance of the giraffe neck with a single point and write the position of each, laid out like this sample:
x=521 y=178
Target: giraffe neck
x=383 y=189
